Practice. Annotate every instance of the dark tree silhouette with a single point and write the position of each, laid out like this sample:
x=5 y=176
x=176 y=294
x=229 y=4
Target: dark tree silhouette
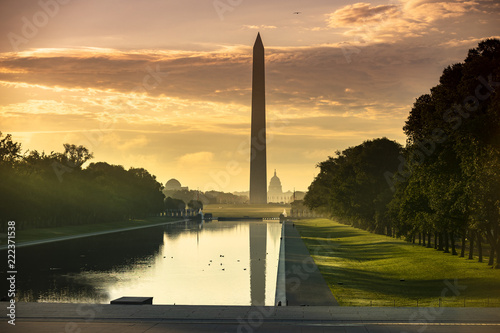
x=448 y=180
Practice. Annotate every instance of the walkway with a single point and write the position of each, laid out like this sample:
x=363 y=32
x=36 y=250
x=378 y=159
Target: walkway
x=51 y=317
x=304 y=283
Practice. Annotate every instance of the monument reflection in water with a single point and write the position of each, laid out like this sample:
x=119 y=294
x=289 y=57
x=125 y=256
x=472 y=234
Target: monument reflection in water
x=216 y=263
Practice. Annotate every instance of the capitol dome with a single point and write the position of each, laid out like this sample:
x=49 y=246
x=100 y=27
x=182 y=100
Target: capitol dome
x=172 y=185
x=275 y=193
x=275 y=185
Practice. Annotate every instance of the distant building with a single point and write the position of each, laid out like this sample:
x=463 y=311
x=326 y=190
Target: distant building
x=174 y=185
x=275 y=193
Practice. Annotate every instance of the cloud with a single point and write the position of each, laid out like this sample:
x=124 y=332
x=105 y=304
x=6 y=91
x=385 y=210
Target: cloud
x=431 y=10
x=361 y=13
x=213 y=89
x=467 y=42
x=389 y=23
x=133 y=143
x=191 y=159
x=259 y=27
x=202 y=105
x=318 y=154
x=42 y=107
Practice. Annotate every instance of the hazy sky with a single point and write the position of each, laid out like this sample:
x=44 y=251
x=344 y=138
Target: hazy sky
x=165 y=84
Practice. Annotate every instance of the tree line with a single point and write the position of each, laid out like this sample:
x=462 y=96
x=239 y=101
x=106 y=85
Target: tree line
x=48 y=190
x=208 y=197
x=444 y=185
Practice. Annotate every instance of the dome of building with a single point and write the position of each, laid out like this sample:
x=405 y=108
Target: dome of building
x=173 y=184
x=275 y=185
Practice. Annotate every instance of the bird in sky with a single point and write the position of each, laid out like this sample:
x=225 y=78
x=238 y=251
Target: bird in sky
x=297 y=12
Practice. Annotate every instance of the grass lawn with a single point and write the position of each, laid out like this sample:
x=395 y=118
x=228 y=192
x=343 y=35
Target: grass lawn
x=47 y=233
x=364 y=269
x=226 y=210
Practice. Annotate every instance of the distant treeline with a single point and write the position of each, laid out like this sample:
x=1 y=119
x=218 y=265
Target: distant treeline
x=444 y=186
x=209 y=197
x=48 y=190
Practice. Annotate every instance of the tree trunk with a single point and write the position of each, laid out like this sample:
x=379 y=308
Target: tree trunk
x=479 y=246
x=446 y=243
x=471 y=244
x=496 y=240
x=492 y=256
x=429 y=245
x=453 y=248
x=419 y=238
x=440 y=247
x=493 y=241
x=498 y=255
x=435 y=240
x=462 y=251
x=423 y=239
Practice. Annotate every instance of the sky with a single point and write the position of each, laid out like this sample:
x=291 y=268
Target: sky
x=166 y=84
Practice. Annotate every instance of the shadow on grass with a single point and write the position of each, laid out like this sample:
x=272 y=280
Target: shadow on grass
x=361 y=265
x=353 y=280
x=356 y=252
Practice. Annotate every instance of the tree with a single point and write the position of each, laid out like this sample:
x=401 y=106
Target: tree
x=195 y=204
x=353 y=187
x=455 y=130
x=448 y=179
x=318 y=194
x=46 y=190
x=174 y=204
x=75 y=156
x=9 y=150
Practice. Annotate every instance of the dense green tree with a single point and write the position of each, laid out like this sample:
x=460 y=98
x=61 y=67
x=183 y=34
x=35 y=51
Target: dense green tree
x=318 y=194
x=455 y=130
x=9 y=150
x=195 y=204
x=447 y=183
x=174 y=204
x=45 y=190
x=353 y=185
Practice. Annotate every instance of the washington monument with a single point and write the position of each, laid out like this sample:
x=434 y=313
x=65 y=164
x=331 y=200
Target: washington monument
x=258 y=164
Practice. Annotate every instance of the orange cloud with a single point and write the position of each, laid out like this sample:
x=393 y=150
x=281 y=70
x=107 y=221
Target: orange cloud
x=388 y=23
x=361 y=13
x=260 y=27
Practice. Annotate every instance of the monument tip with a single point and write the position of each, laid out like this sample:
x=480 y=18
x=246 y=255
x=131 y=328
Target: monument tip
x=258 y=40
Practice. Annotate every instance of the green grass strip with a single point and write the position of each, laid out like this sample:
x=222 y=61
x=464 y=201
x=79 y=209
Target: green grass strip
x=364 y=269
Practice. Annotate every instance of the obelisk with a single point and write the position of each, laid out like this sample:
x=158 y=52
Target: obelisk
x=258 y=164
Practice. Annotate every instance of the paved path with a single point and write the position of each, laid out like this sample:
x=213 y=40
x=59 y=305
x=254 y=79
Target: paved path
x=52 y=317
x=304 y=283
x=89 y=234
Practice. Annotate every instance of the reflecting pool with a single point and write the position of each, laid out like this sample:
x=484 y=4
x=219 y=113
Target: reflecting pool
x=209 y=263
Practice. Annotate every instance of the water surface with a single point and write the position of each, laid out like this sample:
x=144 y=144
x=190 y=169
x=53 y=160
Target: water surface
x=215 y=263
